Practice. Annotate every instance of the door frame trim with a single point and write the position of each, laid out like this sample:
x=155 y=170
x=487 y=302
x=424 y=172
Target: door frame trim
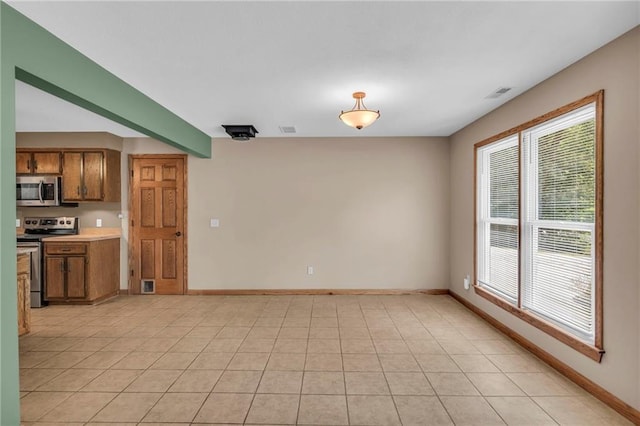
x=185 y=192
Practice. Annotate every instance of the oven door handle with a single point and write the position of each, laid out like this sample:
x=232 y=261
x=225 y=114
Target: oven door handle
x=40 y=189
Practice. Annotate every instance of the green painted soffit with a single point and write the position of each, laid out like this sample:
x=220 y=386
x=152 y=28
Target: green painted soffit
x=9 y=394
x=31 y=54
x=46 y=62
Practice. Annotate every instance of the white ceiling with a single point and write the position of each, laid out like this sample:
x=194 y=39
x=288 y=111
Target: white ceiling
x=428 y=66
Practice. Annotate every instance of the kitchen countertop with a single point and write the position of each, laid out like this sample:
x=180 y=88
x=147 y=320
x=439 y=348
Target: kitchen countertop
x=86 y=235
x=81 y=238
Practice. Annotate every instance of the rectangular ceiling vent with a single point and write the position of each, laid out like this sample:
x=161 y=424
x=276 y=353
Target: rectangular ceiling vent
x=287 y=130
x=499 y=92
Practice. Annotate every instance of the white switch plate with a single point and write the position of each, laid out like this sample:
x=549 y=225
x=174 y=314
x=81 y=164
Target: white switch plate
x=98 y=223
x=309 y=270
x=467 y=282
x=214 y=223
x=17 y=223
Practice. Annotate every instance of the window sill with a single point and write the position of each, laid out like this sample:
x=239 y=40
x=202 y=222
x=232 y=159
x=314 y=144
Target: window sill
x=584 y=348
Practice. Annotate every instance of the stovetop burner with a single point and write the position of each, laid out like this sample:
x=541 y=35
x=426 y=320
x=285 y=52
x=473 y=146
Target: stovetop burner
x=51 y=225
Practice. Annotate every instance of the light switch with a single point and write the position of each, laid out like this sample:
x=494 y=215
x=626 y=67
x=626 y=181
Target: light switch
x=98 y=223
x=17 y=223
x=214 y=223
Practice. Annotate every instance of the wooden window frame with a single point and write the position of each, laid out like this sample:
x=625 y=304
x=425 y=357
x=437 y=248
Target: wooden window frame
x=594 y=351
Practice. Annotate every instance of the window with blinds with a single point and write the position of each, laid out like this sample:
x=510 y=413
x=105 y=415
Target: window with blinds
x=538 y=198
x=559 y=206
x=498 y=217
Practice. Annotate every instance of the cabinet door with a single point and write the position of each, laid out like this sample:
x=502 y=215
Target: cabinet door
x=75 y=277
x=92 y=175
x=72 y=176
x=46 y=163
x=54 y=277
x=23 y=163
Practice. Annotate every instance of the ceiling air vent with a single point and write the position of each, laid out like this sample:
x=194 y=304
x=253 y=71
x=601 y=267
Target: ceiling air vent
x=287 y=130
x=499 y=92
x=240 y=132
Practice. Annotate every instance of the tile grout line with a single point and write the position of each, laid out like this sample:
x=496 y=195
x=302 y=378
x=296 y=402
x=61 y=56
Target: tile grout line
x=396 y=317
x=255 y=393
x=195 y=414
x=144 y=370
x=435 y=392
x=380 y=361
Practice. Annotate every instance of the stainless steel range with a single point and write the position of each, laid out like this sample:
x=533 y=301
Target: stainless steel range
x=36 y=229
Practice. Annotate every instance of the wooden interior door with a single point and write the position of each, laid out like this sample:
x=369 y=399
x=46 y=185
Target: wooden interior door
x=157 y=229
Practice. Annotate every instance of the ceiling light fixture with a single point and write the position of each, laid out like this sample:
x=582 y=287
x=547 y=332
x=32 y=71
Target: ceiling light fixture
x=359 y=116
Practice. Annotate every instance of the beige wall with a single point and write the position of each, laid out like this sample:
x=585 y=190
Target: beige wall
x=364 y=212
x=638 y=219
x=615 y=69
x=101 y=140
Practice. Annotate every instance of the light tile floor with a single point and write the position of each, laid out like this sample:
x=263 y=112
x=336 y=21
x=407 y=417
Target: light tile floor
x=323 y=360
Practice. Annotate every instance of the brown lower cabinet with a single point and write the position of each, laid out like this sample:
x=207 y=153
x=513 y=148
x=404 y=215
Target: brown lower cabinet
x=82 y=272
x=24 y=294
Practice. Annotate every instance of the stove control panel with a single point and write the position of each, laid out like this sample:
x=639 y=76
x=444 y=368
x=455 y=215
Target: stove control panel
x=50 y=223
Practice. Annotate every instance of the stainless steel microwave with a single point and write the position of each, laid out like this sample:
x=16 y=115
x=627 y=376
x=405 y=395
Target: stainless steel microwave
x=38 y=191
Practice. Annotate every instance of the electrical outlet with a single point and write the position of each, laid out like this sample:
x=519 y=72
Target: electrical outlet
x=98 y=223
x=309 y=270
x=17 y=223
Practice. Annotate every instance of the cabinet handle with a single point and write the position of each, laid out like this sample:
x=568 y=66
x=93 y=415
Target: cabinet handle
x=35 y=165
x=84 y=191
x=28 y=165
x=65 y=249
x=78 y=190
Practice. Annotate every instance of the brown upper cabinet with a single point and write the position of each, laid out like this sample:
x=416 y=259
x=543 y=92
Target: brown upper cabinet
x=87 y=174
x=38 y=162
x=90 y=175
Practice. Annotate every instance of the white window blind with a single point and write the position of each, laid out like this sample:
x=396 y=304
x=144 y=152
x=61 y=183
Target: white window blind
x=559 y=222
x=536 y=220
x=498 y=217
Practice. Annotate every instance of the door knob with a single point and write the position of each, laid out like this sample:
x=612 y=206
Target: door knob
x=178 y=234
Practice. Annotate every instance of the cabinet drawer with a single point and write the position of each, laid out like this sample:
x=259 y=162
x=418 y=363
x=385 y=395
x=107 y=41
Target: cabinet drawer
x=53 y=248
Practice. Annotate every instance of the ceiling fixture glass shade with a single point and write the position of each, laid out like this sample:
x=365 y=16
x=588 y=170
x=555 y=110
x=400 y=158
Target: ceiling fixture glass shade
x=359 y=117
